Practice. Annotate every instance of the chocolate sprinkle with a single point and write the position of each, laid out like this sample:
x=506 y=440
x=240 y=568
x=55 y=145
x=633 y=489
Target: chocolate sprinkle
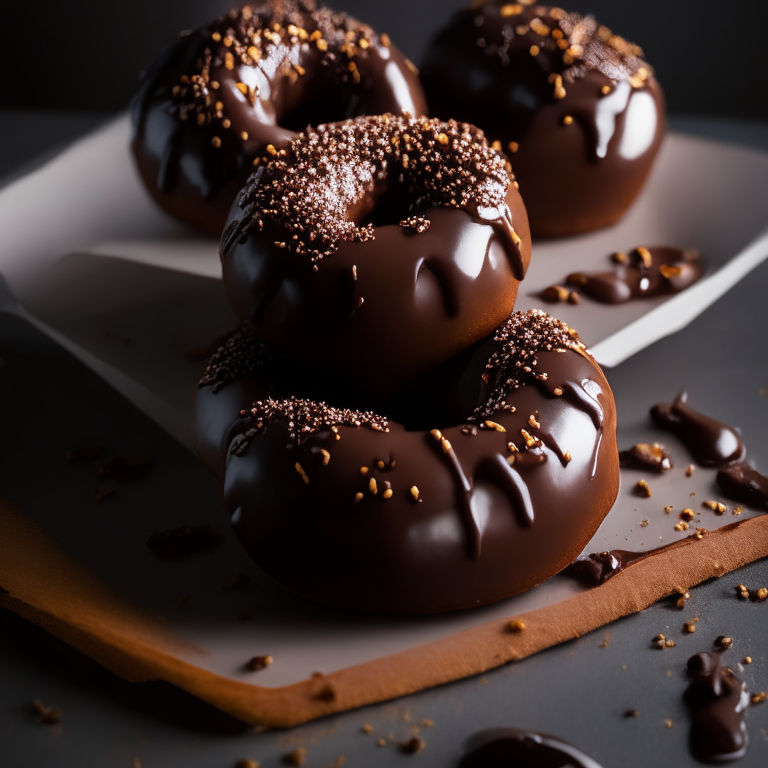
x=240 y=353
x=305 y=417
x=523 y=336
x=313 y=188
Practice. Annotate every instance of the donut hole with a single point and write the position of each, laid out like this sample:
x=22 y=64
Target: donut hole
x=315 y=111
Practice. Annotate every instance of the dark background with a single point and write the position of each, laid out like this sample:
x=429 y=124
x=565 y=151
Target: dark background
x=86 y=55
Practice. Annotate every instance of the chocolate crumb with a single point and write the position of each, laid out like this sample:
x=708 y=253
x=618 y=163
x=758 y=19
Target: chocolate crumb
x=412 y=746
x=689 y=470
x=257 y=663
x=746 y=660
x=326 y=693
x=642 y=489
x=631 y=713
x=85 y=454
x=716 y=506
x=46 y=715
x=381 y=742
x=644 y=522
x=100 y=494
x=758 y=698
x=126 y=469
x=668 y=722
x=668 y=509
x=687 y=514
x=240 y=581
x=187 y=540
x=724 y=642
x=650 y=456
x=246 y=762
x=762 y=594
x=367 y=728
x=690 y=626
x=516 y=625
x=605 y=642
x=297 y=757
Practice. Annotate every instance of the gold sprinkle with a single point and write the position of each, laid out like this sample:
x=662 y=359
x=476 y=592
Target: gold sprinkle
x=385 y=41
x=530 y=440
x=442 y=138
x=605 y=90
x=446 y=445
x=746 y=660
x=513 y=146
x=216 y=141
x=216 y=37
x=558 y=391
x=388 y=493
x=271 y=149
x=226 y=122
x=244 y=135
x=516 y=625
x=200 y=118
x=243 y=88
x=645 y=256
x=516 y=239
x=301 y=472
x=512 y=448
x=436 y=433
x=511 y=9
x=493 y=425
x=358 y=497
x=496 y=145
x=567 y=120
x=229 y=60
x=668 y=272
x=533 y=422
x=364 y=471
x=322 y=45
x=293 y=30
x=372 y=486
x=716 y=506
x=690 y=469
x=381 y=464
x=534 y=50
x=326 y=457
x=414 y=492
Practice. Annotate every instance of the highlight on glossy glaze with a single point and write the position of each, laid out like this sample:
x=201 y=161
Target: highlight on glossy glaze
x=421 y=520
x=576 y=107
x=223 y=94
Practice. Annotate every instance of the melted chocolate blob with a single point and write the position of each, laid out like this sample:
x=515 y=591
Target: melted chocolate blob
x=644 y=273
x=516 y=748
x=354 y=509
x=742 y=483
x=710 y=441
x=574 y=104
x=321 y=258
x=225 y=93
x=717 y=699
x=597 y=568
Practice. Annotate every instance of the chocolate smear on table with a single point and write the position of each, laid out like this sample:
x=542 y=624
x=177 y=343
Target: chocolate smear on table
x=597 y=568
x=742 y=483
x=178 y=543
x=651 y=456
x=643 y=273
x=710 y=442
x=507 y=747
x=717 y=699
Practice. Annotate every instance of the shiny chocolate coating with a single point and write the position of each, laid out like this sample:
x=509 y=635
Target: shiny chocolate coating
x=516 y=748
x=579 y=112
x=717 y=700
x=357 y=510
x=217 y=98
x=414 y=254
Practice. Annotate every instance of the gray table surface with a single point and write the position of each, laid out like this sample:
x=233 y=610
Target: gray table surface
x=578 y=691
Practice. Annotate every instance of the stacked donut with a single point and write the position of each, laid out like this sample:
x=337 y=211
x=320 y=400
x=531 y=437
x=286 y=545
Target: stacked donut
x=389 y=434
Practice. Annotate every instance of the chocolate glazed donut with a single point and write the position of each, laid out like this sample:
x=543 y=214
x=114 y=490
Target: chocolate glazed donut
x=378 y=248
x=575 y=104
x=222 y=94
x=355 y=510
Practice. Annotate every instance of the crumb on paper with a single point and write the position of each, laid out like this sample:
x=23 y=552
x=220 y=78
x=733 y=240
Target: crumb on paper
x=690 y=469
x=642 y=489
x=257 y=663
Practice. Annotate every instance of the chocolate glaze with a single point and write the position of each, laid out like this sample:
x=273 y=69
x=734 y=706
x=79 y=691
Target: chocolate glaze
x=337 y=282
x=644 y=273
x=516 y=748
x=242 y=75
x=717 y=699
x=582 y=144
x=454 y=518
x=710 y=441
x=741 y=482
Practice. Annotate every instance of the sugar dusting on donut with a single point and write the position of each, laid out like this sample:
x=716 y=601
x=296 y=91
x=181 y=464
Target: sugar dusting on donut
x=310 y=187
